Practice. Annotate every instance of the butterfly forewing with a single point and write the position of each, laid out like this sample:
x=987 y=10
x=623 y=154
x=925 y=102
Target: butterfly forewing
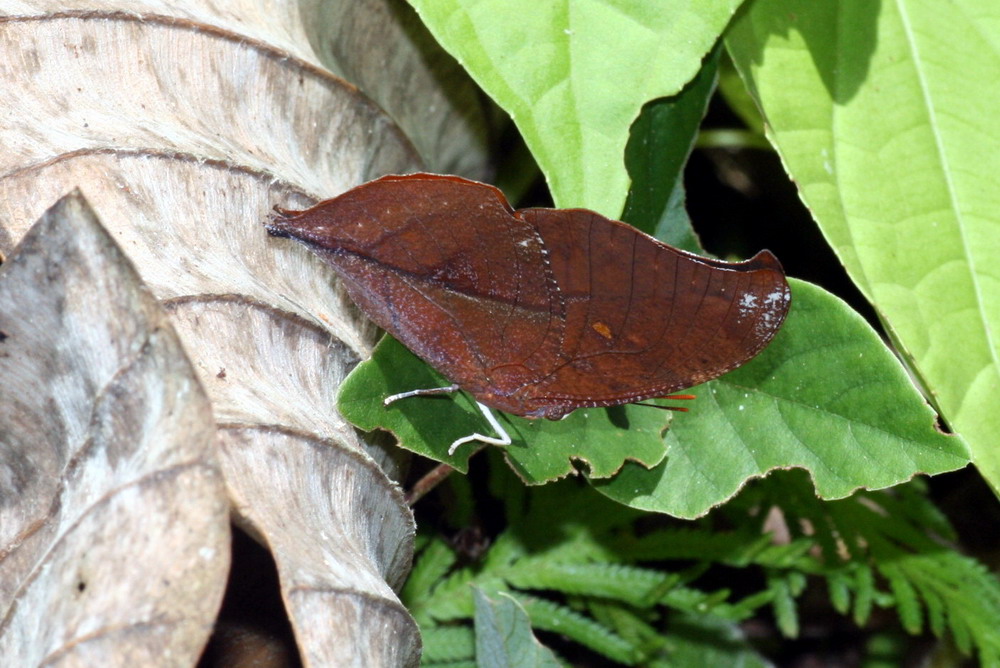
x=444 y=266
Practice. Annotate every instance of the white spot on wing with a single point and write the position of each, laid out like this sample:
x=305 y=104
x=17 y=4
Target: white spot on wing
x=773 y=301
x=748 y=302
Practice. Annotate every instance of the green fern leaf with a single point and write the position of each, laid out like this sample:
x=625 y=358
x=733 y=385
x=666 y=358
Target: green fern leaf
x=745 y=608
x=966 y=593
x=549 y=616
x=796 y=583
x=429 y=568
x=452 y=598
x=706 y=641
x=505 y=550
x=960 y=633
x=923 y=513
x=638 y=586
x=695 y=601
x=864 y=593
x=935 y=611
x=789 y=555
x=838 y=584
x=907 y=603
x=447 y=644
x=631 y=624
x=785 y=614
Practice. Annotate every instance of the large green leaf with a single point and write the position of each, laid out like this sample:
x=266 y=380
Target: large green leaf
x=573 y=75
x=826 y=396
x=885 y=114
x=659 y=144
x=599 y=439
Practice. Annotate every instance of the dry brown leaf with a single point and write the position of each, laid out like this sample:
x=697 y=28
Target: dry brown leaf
x=184 y=123
x=114 y=533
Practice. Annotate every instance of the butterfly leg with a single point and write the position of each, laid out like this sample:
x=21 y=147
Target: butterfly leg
x=502 y=438
x=417 y=393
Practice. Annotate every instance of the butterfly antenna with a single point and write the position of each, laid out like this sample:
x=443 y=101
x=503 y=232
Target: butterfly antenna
x=672 y=397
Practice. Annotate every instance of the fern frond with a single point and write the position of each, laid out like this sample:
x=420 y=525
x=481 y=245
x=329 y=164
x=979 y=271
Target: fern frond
x=935 y=611
x=705 y=641
x=959 y=590
x=639 y=586
x=910 y=504
x=789 y=555
x=449 y=664
x=549 y=616
x=864 y=594
x=631 y=624
x=695 y=601
x=785 y=614
x=429 y=568
x=745 y=608
x=839 y=585
x=907 y=601
x=873 y=548
x=505 y=550
x=446 y=644
x=887 y=533
x=452 y=598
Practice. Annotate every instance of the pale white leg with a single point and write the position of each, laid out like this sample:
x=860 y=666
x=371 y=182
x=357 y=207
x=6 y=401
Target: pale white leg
x=503 y=436
x=416 y=393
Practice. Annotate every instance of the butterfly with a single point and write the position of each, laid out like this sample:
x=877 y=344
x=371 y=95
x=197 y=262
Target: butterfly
x=538 y=312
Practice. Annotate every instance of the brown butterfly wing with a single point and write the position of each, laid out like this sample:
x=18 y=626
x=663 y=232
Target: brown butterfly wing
x=443 y=265
x=644 y=319
x=541 y=311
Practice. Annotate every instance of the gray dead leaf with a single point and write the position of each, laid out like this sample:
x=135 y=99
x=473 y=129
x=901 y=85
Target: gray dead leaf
x=114 y=534
x=184 y=123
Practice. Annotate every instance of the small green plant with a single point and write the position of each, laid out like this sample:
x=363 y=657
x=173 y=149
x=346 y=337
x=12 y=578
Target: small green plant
x=638 y=591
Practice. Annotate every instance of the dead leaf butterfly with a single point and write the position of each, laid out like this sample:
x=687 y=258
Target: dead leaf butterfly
x=538 y=312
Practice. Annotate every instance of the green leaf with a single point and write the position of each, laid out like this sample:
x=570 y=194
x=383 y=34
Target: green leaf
x=549 y=616
x=738 y=98
x=573 y=76
x=907 y=602
x=447 y=644
x=715 y=603
x=864 y=597
x=785 y=614
x=935 y=612
x=701 y=640
x=639 y=586
x=430 y=566
x=840 y=592
x=951 y=583
x=660 y=142
x=632 y=625
x=885 y=116
x=503 y=635
x=542 y=450
x=826 y=396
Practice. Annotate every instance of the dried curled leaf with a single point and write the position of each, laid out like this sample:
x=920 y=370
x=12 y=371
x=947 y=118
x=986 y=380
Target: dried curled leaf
x=183 y=125
x=114 y=532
